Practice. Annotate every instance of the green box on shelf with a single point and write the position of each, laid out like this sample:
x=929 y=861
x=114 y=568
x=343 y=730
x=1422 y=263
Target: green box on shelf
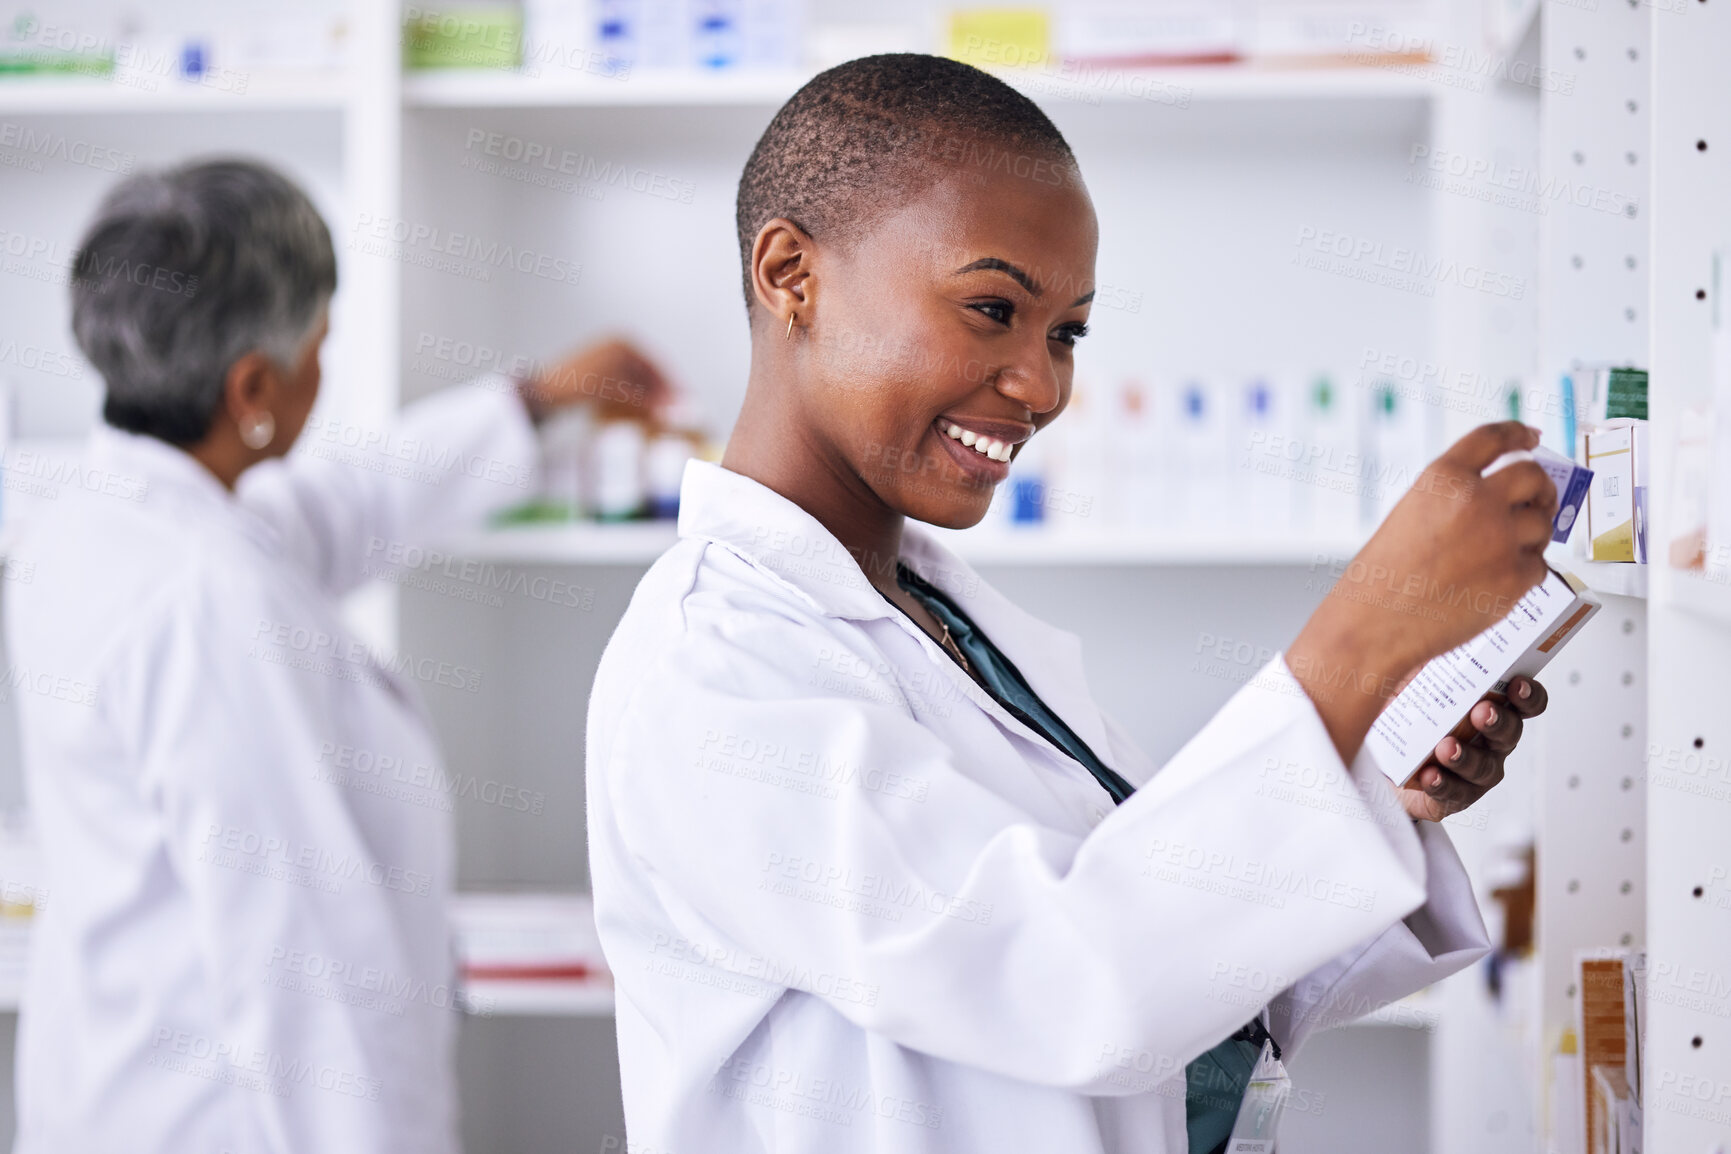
x=1626 y=394
x=472 y=36
x=29 y=48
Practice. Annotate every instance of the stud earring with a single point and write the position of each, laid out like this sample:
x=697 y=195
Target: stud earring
x=258 y=430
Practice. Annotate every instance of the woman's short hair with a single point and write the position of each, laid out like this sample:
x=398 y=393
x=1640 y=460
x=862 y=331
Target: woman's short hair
x=185 y=271
x=867 y=135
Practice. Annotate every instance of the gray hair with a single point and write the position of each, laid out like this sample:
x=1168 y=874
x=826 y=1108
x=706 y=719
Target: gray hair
x=185 y=271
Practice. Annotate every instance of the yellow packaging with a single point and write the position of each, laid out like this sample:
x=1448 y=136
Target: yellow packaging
x=1001 y=37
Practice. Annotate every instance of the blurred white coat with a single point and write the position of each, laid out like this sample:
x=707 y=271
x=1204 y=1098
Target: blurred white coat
x=245 y=822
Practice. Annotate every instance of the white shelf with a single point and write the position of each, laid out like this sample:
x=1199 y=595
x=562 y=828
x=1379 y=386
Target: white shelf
x=1034 y=547
x=502 y=999
x=457 y=88
x=640 y=543
x=531 y=929
x=83 y=94
x=563 y=999
x=1171 y=87
x=577 y=543
x=529 y=923
x=1616 y=578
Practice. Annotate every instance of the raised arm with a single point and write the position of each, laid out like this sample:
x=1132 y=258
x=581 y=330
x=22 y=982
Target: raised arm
x=351 y=498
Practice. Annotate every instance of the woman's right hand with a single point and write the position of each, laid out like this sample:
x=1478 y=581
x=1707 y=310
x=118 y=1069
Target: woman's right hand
x=1450 y=561
x=1459 y=549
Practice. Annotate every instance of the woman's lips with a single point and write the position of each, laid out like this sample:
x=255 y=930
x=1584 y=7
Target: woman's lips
x=994 y=440
x=991 y=466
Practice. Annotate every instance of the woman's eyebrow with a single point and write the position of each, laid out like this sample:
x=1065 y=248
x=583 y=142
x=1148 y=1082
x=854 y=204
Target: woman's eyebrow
x=994 y=264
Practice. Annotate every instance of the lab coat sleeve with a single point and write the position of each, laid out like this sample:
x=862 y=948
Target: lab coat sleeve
x=352 y=502
x=958 y=926
x=274 y=867
x=1444 y=935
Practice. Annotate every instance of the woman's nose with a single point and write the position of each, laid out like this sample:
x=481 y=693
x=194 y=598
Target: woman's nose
x=1032 y=380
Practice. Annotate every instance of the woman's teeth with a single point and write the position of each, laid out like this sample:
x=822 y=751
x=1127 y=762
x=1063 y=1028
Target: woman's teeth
x=996 y=450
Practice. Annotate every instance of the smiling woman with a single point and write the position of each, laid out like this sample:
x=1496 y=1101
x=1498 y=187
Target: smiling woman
x=922 y=359
x=1028 y=950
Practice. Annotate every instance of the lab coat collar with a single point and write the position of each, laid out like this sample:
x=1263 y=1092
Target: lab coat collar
x=749 y=518
x=172 y=479
x=793 y=548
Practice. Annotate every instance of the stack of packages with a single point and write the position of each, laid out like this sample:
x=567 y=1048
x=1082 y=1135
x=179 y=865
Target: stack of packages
x=1597 y=1104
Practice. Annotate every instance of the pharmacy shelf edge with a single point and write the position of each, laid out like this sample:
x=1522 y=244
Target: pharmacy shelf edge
x=1172 y=87
x=489 y=999
x=52 y=96
x=642 y=542
x=1615 y=578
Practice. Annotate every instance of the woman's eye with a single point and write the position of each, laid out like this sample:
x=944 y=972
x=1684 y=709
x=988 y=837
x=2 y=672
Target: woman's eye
x=999 y=311
x=1070 y=334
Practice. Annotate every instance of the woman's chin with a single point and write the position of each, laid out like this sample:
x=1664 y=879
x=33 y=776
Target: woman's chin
x=961 y=512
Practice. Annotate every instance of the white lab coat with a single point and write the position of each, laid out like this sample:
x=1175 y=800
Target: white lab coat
x=245 y=947
x=851 y=904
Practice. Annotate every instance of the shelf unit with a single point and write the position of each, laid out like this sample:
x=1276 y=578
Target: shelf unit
x=1342 y=139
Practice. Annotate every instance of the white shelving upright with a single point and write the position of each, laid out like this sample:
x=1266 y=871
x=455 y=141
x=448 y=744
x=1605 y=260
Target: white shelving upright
x=1687 y=1076
x=1592 y=832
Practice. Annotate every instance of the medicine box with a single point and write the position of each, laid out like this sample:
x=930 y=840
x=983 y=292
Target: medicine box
x=1572 y=482
x=1435 y=703
x=1616 y=499
x=1617 y=391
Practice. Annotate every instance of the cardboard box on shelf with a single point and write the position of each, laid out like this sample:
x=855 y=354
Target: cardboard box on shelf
x=1610 y=1111
x=1599 y=1014
x=1617 y=499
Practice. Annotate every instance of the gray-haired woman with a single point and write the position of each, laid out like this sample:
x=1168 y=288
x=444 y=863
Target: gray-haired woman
x=245 y=823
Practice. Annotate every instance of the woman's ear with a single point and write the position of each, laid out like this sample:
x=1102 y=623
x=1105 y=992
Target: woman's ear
x=782 y=276
x=252 y=385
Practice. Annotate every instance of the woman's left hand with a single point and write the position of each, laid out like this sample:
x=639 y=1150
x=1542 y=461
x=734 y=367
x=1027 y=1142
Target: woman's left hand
x=1457 y=775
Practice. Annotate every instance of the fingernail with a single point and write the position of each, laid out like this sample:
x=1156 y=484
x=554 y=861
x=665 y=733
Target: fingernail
x=1492 y=719
x=1456 y=755
x=1525 y=691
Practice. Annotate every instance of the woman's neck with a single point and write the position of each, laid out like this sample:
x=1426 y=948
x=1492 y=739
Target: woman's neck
x=774 y=448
